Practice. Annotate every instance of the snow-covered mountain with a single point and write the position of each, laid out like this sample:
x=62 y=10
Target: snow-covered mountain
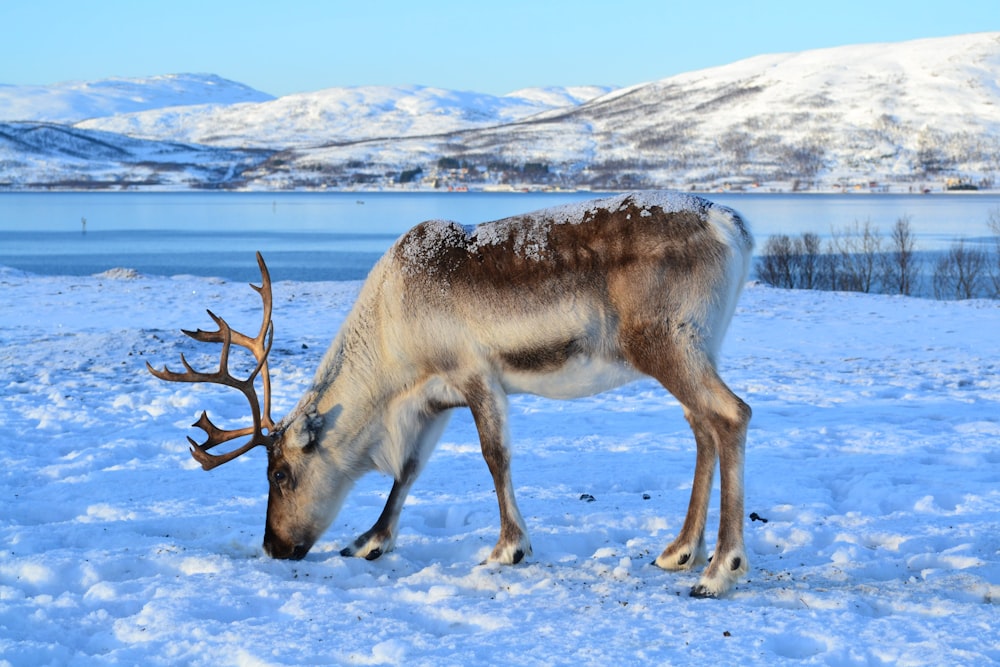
x=914 y=112
x=340 y=115
x=898 y=114
x=74 y=101
x=34 y=154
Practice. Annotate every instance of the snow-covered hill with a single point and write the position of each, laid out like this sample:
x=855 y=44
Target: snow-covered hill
x=341 y=115
x=900 y=115
x=911 y=112
x=74 y=101
x=37 y=154
x=883 y=110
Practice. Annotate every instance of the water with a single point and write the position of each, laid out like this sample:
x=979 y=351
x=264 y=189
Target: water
x=339 y=236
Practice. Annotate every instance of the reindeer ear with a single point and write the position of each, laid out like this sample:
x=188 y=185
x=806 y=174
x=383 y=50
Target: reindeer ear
x=304 y=430
x=314 y=425
x=314 y=421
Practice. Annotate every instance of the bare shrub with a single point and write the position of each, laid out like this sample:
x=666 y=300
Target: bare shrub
x=829 y=269
x=960 y=272
x=775 y=265
x=791 y=263
x=994 y=224
x=807 y=250
x=854 y=261
x=901 y=266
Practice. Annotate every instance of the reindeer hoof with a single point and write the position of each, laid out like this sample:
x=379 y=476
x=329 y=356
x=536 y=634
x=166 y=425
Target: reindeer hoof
x=349 y=552
x=511 y=554
x=703 y=593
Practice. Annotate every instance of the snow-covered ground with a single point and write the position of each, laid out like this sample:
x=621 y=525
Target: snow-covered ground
x=873 y=455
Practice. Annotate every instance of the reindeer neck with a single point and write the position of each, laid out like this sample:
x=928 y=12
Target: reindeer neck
x=352 y=388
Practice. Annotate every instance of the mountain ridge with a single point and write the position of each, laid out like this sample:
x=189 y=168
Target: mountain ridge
x=338 y=114
x=896 y=114
x=76 y=101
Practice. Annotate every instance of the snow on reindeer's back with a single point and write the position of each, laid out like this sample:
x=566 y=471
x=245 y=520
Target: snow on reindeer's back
x=528 y=233
x=667 y=201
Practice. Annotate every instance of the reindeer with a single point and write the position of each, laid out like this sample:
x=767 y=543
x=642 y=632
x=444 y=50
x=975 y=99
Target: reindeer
x=564 y=302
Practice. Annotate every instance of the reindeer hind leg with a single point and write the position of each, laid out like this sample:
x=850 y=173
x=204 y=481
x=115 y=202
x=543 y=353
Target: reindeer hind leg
x=688 y=549
x=719 y=421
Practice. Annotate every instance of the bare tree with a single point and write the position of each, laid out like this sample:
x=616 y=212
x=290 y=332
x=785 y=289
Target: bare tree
x=959 y=272
x=791 y=263
x=858 y=259
x=994 y=223
x=807 y=250
x=857 y=251
x=901 y=267
x=829 y=268
x=775 y=265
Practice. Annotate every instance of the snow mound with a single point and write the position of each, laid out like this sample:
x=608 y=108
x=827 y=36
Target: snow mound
x=119 y=273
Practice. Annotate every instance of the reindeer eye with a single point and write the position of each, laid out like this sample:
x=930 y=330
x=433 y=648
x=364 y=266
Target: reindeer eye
x=279 y=476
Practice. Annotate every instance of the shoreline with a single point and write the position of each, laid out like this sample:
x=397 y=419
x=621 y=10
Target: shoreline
x=772 y=189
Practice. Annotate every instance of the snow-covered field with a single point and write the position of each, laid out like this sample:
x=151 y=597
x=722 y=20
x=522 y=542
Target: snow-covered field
x=874 y=456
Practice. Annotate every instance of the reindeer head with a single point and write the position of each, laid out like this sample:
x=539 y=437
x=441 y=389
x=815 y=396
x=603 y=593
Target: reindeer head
x=292 y=522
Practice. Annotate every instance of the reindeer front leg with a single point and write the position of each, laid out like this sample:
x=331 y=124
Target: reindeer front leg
x=381 y=537
x=488 y=404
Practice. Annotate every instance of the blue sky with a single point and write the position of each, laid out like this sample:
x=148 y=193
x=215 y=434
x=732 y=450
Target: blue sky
x=493 y=46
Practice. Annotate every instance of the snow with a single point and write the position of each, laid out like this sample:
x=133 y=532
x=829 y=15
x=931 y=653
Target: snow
x=528 y=233
x=904 y=115
x=827 y=119
x=560 y=96
x=872 y=455
x=343 y=114
x=925 y=82
x=74 y=101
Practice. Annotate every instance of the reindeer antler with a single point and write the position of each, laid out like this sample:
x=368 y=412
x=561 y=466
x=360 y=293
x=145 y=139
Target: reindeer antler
x=259 y=346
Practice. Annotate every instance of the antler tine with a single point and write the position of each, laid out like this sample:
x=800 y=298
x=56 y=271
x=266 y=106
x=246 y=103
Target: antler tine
x=260 y=347
x=266 y=328
x=217 y=436
x=209 y=461
x=242 y=339
x=221 y=376
x=265 y=293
